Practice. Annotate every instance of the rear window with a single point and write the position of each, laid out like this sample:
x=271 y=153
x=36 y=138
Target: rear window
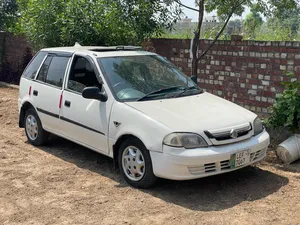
x=34 y=65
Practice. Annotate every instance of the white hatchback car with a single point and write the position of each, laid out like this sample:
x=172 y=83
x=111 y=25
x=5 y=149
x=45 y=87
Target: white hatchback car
x=139 y=109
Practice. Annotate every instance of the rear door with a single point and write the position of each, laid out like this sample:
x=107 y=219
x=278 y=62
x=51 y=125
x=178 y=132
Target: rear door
x=27 y=77
x=47 y=90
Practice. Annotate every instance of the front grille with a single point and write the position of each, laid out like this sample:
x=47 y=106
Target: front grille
x=224 y=136
x=211 y=167
x=259 y=154
x=207 y=168
x=225 y=165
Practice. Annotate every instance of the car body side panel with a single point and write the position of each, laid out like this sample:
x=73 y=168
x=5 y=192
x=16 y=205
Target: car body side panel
x=24 y=95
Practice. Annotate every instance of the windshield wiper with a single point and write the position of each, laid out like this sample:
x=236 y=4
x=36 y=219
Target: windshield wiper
x=186 y=90
x=160 y=91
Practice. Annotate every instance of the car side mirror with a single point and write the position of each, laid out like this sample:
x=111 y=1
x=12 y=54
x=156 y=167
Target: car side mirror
x=194 y=78
x=94 y=93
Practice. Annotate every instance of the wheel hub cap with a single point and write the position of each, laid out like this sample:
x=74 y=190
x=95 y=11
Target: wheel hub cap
x=133 y=163
x=31 y=127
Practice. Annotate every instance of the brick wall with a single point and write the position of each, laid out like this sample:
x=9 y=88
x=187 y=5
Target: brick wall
x=248 y=73
x=15 y=53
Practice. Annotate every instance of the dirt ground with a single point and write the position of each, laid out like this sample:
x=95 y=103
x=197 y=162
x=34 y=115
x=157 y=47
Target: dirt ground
x=65 y=183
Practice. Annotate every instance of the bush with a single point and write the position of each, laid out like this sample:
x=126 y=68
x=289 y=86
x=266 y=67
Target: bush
x=286 y=109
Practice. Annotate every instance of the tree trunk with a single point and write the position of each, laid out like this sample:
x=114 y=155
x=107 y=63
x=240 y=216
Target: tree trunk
x=195 y=45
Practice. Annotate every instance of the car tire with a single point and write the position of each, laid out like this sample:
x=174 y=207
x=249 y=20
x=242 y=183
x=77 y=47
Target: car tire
x=135 y=164
x=34 y=131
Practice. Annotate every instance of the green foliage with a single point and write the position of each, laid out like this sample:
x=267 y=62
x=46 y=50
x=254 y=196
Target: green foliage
x=252 y=23
x=175 y=35
x=286 y=109
x=275 y=32
x=8 y=14
x=279 y=27
x=226 y=7
x=98 y=22
x=274 y=8
x=234 y=27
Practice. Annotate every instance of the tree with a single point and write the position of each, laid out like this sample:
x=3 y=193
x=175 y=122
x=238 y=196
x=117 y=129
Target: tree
x=234 y=27
x=225 y=10
x=94 y=22
x=8 y=14
x=287 y=19
x=252 y=22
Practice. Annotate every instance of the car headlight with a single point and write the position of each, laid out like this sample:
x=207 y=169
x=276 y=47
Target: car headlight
x=186 y=140
x=258 y=126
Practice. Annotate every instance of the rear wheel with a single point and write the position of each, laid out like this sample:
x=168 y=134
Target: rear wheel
x=135 y=164
x=34 y=131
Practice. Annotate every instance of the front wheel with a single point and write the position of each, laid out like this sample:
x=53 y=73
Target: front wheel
x=135 y=164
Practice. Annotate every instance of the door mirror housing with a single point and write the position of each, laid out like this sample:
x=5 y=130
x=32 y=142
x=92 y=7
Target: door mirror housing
x=194 y=78
x=94 y=93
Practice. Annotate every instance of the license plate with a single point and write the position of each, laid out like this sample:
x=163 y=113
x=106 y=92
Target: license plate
x=240 y=158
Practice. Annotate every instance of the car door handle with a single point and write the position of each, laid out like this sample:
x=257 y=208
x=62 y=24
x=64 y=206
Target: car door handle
x=67 y=103
x=35 y=93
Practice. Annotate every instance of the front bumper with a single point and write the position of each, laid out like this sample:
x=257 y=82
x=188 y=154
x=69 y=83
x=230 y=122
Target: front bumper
x=188 y=164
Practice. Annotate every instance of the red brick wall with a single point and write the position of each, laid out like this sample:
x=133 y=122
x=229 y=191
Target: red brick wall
x=15 y=54
x=248 y=73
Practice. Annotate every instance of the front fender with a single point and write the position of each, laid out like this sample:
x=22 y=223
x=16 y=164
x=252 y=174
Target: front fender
x=126 y=120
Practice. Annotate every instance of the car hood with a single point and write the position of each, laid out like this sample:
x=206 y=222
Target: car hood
x=195 y=113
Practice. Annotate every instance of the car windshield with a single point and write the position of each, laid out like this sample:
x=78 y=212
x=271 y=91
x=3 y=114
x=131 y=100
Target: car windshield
x=145 y=77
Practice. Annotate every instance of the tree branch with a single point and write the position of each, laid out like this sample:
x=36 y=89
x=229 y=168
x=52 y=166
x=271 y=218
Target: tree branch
x=185 y=6
x=221 y=31
x=216 y=38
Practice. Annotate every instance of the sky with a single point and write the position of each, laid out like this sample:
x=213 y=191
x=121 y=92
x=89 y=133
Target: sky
x=193 y=14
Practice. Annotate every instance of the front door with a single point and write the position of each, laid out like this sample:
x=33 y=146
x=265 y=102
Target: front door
x=84 y=120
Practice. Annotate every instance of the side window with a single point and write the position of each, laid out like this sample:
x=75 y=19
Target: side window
x=53 y=70
x=82 y=75
x=44 y=69
x=56 y=71
x=34 y=65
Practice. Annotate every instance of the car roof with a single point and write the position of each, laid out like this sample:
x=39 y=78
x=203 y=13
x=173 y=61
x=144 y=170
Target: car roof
x=101 y=51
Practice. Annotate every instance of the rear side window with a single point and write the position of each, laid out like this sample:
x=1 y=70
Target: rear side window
x=44 y=69
x=53 y=70
x=34 y=65
x=56 y=71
